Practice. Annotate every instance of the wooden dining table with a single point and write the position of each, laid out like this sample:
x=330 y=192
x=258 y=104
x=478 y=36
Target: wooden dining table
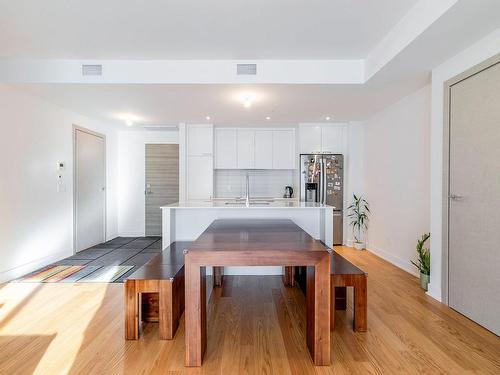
x=258 y=242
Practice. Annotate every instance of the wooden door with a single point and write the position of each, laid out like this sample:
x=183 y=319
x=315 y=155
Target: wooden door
x=474 y=198
x=162 y=183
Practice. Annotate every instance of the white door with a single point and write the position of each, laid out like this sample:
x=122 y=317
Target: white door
x=200 y=177
x=474 y=192
x=90 y=194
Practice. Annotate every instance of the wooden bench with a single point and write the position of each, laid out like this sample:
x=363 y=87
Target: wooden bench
x=343 y=274
x=155 y=293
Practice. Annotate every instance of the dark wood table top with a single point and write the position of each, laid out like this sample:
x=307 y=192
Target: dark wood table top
x=256 y=235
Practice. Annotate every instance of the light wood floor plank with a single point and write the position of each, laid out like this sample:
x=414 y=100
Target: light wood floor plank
x=255 y=326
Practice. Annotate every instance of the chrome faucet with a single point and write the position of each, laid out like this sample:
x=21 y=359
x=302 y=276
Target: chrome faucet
x=247 y=191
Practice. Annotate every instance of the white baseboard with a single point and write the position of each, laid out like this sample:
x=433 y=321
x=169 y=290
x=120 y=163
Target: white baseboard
x=22 y=270
x=404 y=264
x=131 y=234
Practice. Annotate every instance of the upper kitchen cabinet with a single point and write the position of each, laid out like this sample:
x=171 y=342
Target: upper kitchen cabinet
x=283 y=149
x=226 y=149
x=246 y=148
x=323 y=138
x=310 y=139
x=200 y=140
x=255 y=148
x=332 y=139
x=263 y=149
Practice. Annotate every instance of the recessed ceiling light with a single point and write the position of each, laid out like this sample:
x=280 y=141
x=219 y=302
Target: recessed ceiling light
x=247 y=102
x=327 y=118
x=208 y=117
x=129 y=122
x=268 y=118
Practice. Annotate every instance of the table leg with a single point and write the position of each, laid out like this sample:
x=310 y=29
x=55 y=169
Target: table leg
x=195 y=313
x=318 y=311
x=131 y=311
x=360 y=303
x=332 y=303
x=289 y=276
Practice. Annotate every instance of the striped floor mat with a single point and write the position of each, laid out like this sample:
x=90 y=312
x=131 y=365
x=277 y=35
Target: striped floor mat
x=51 y=274
x=106 y=274
x=89 y=274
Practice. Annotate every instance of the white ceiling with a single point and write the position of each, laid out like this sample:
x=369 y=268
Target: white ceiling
x=330 y=29
x=172 y=104
x=195 y=29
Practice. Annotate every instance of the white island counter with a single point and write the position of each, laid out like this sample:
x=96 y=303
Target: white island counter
x=185 y=221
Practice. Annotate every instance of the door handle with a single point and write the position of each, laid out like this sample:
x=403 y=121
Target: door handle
x=456 y=197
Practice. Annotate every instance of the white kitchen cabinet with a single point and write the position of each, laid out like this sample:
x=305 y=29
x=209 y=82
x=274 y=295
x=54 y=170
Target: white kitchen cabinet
x=263 y=149
x=324 y=138
x=226 y=149
x=200 y=140
x=200 y=177
x=310 y=139
x=284 y=149
x=332 y=139
x=246 y=148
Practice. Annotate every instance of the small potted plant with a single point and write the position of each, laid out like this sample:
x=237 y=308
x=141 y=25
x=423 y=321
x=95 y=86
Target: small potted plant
x=358 y=213
x=423 y=262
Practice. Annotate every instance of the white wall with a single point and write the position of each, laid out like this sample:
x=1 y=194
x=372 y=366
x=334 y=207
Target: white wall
x=36 y=222
x=353 y=172
x=397 y=148
x=477 y=53
x=131 y=177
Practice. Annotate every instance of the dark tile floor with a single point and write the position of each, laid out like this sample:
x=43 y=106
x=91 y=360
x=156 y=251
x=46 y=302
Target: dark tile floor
x=126 y=251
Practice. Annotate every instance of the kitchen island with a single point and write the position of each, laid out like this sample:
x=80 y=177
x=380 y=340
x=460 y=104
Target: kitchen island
x=186 y=221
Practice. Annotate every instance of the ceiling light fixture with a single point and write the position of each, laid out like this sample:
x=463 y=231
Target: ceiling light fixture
x=247 y=102
x=268 y=118
x=207 y=118
x=129 y=122
x=327 y=118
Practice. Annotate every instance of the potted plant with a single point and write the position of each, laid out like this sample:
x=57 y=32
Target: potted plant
x=423 y=262
x=358 y=213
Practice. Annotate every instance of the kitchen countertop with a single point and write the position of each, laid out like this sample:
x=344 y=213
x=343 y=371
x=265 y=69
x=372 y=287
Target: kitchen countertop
x=255 y=203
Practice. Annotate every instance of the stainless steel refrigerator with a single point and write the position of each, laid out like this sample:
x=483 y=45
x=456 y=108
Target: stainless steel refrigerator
x=322 y=181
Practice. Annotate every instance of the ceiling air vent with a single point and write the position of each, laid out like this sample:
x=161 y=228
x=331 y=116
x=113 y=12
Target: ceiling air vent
x=92 y=70
x=246 y=69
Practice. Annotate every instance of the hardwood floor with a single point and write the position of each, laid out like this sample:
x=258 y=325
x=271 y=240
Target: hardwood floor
x=255 y=326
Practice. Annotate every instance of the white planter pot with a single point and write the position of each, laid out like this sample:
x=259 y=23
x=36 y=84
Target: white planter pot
x=359 y=245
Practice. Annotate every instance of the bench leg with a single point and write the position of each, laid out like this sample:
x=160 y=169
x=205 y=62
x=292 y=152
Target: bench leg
x=166 y=317
x=131 y=311
x=360 y=303
x=218 y=276
x=289 y=276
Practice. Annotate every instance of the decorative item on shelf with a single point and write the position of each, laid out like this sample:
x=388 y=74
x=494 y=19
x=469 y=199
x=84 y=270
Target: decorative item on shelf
x=358 y=214
x=423 y=262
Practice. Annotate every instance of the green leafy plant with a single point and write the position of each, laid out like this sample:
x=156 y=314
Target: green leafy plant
x=423 y=262
x=358 y=214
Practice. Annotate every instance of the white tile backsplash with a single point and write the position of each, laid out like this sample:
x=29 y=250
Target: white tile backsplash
x=230 y=183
